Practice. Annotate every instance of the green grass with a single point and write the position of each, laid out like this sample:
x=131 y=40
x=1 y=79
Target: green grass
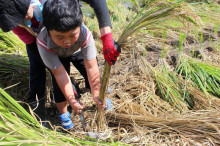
x=171 y=87
x=182 y=39
x=18 y=127
x=14 y=64
x=10 y=43
x=209 y=13
x=205 y=76
x=14 y=70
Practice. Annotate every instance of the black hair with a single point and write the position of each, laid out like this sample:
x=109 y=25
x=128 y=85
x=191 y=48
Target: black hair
x=62 y=15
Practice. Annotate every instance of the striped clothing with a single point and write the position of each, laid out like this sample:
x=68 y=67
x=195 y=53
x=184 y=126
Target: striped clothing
x=50 y=52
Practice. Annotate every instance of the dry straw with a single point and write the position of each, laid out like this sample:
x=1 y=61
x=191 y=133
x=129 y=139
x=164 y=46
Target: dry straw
x=155 y=12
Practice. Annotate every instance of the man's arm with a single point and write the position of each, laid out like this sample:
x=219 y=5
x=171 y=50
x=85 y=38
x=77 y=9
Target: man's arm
x=101 y=11
x=105 y=30
x=94 y=80
x=65 y=86
x=109 y=50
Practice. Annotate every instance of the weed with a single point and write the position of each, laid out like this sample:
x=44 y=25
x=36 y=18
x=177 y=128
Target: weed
x=182 y=39
x=201 y=39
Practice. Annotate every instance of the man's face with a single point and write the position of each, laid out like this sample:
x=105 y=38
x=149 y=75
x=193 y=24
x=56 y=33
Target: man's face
x=29 y=14
x=65 y=39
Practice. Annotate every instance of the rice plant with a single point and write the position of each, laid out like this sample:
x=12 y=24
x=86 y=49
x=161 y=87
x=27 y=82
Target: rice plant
x=14 y=65
x=170 y=86
x=151 y=17
x=201 y=40
x=18 y=127
x=14 y=70
x=182 y=39
x=10 y=43
x=205 y=76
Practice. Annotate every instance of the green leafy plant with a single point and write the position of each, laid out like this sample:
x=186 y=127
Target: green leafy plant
x=201 y=39
x=14 y=70
x=206 y=76
x=170 y=86
x=182 y=39
x=10 y=43
x=18 y=127
x=164 y=51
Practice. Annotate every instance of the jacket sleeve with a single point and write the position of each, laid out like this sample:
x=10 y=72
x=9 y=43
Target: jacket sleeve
x=101 y=11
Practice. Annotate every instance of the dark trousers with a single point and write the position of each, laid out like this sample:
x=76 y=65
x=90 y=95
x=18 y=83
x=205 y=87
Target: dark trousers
x=77 y=61
x=37 y=73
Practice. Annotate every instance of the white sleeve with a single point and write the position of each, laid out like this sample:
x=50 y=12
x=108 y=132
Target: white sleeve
x=88 y=48
x=50 y=59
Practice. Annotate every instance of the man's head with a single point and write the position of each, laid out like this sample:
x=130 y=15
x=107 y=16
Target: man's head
x=12 y=13
x=62 y=19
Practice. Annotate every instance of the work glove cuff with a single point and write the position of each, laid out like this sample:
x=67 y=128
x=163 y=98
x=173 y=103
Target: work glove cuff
x=111 y=49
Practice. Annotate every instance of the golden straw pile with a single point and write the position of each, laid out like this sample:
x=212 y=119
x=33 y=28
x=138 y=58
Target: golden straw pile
x=140 y=116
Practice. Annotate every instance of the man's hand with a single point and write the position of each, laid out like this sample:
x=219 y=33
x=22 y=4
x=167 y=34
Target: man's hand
x=99 y=103
x=76 y=106
x=111 y=49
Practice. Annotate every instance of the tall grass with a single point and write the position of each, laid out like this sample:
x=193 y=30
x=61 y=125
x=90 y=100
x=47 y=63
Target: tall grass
x=182 y=39
x=14 y=65
x=205 y=76
x=153 y=16
x=10 y=43
x=18 y=127
x=170 y=86
x=14 y=70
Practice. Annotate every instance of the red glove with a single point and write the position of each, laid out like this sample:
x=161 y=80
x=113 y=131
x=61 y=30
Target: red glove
x=111 y=49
